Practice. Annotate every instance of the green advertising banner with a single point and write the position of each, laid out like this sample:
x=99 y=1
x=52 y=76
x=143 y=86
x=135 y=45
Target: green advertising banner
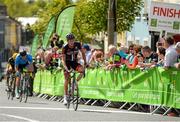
x=34 y=45
x=155 y=86
x=64 y=22
x=49 y=32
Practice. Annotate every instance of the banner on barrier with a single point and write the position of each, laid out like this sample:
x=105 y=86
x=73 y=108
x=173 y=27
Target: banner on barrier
x=155 y=86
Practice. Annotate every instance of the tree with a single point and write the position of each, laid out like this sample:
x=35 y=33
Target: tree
x=91 y=15
x=52 y=8
x=20 y=8
x=127 y=10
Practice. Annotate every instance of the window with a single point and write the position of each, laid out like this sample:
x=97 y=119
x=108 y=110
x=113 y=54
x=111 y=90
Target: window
x=130 y=42
x=137 y=42
x=146 y=43
x=1 y=26
x=1 y=40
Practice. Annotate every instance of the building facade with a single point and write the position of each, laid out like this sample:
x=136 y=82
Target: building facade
x=10 y=34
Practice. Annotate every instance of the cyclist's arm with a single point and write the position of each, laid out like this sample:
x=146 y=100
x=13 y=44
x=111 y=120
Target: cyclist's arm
x=84 y=57
x=64 y=60
x=17 y=63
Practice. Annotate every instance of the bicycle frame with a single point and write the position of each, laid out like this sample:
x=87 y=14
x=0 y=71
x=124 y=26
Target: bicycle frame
x=72 y=96
x=24 y=86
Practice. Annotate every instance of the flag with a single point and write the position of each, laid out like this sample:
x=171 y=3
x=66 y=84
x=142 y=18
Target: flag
x=64 y=22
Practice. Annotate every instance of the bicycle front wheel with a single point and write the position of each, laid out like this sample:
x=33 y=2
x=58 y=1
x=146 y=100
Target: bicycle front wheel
x=75 y=96
x=26 y=91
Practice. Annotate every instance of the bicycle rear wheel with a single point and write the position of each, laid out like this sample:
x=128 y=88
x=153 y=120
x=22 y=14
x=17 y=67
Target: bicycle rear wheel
x=75 y=96
x=26 y=91
x=12 y=94
x=21 y=95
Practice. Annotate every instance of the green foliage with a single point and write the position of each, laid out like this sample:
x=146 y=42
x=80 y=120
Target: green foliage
x=18 y=8
x=51 y=8
x=91 y=15
x=127 y=10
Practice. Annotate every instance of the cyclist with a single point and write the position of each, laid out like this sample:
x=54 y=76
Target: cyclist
x=70 y=60
x=23 y=60
x=10 y=68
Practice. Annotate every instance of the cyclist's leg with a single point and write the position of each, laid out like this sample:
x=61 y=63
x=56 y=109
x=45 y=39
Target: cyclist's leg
x=18 y=78
x=66 y=75
x=31 y=84
x=80 y=69
x=66 y=82
x=7 y=80
x=30 y=68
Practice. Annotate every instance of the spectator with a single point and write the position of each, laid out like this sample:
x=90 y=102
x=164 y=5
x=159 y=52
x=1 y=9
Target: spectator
x=87 y=52
x=97 y=56
x=161 y=54
x=130 y=56
x=40 y=58
x=114 y=57
x=140 y=59
x=59 y=44
x=123 y=53
x=150 y=58
x=171 y=55
x=130 y=48
x=54 y=62
x=177 y=47
x=55 y=40
x=131 y=64
x=161 y=41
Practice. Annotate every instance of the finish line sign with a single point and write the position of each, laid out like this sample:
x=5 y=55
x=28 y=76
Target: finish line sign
x=164 y=16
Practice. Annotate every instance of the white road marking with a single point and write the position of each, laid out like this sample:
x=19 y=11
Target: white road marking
x=19 y=117
x=65 y=109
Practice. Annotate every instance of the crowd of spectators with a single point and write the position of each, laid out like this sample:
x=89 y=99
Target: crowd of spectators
x=132 y=57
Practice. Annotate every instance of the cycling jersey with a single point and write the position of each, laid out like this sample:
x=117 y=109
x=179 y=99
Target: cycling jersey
x=71 y=53
x=14 y=55
x=23 y=62
x=11 y=61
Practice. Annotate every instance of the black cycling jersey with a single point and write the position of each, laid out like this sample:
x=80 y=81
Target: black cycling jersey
x=71 y=53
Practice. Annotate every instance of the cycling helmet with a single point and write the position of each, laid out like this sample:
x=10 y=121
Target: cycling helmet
x=70 y=36
x=23 y=53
